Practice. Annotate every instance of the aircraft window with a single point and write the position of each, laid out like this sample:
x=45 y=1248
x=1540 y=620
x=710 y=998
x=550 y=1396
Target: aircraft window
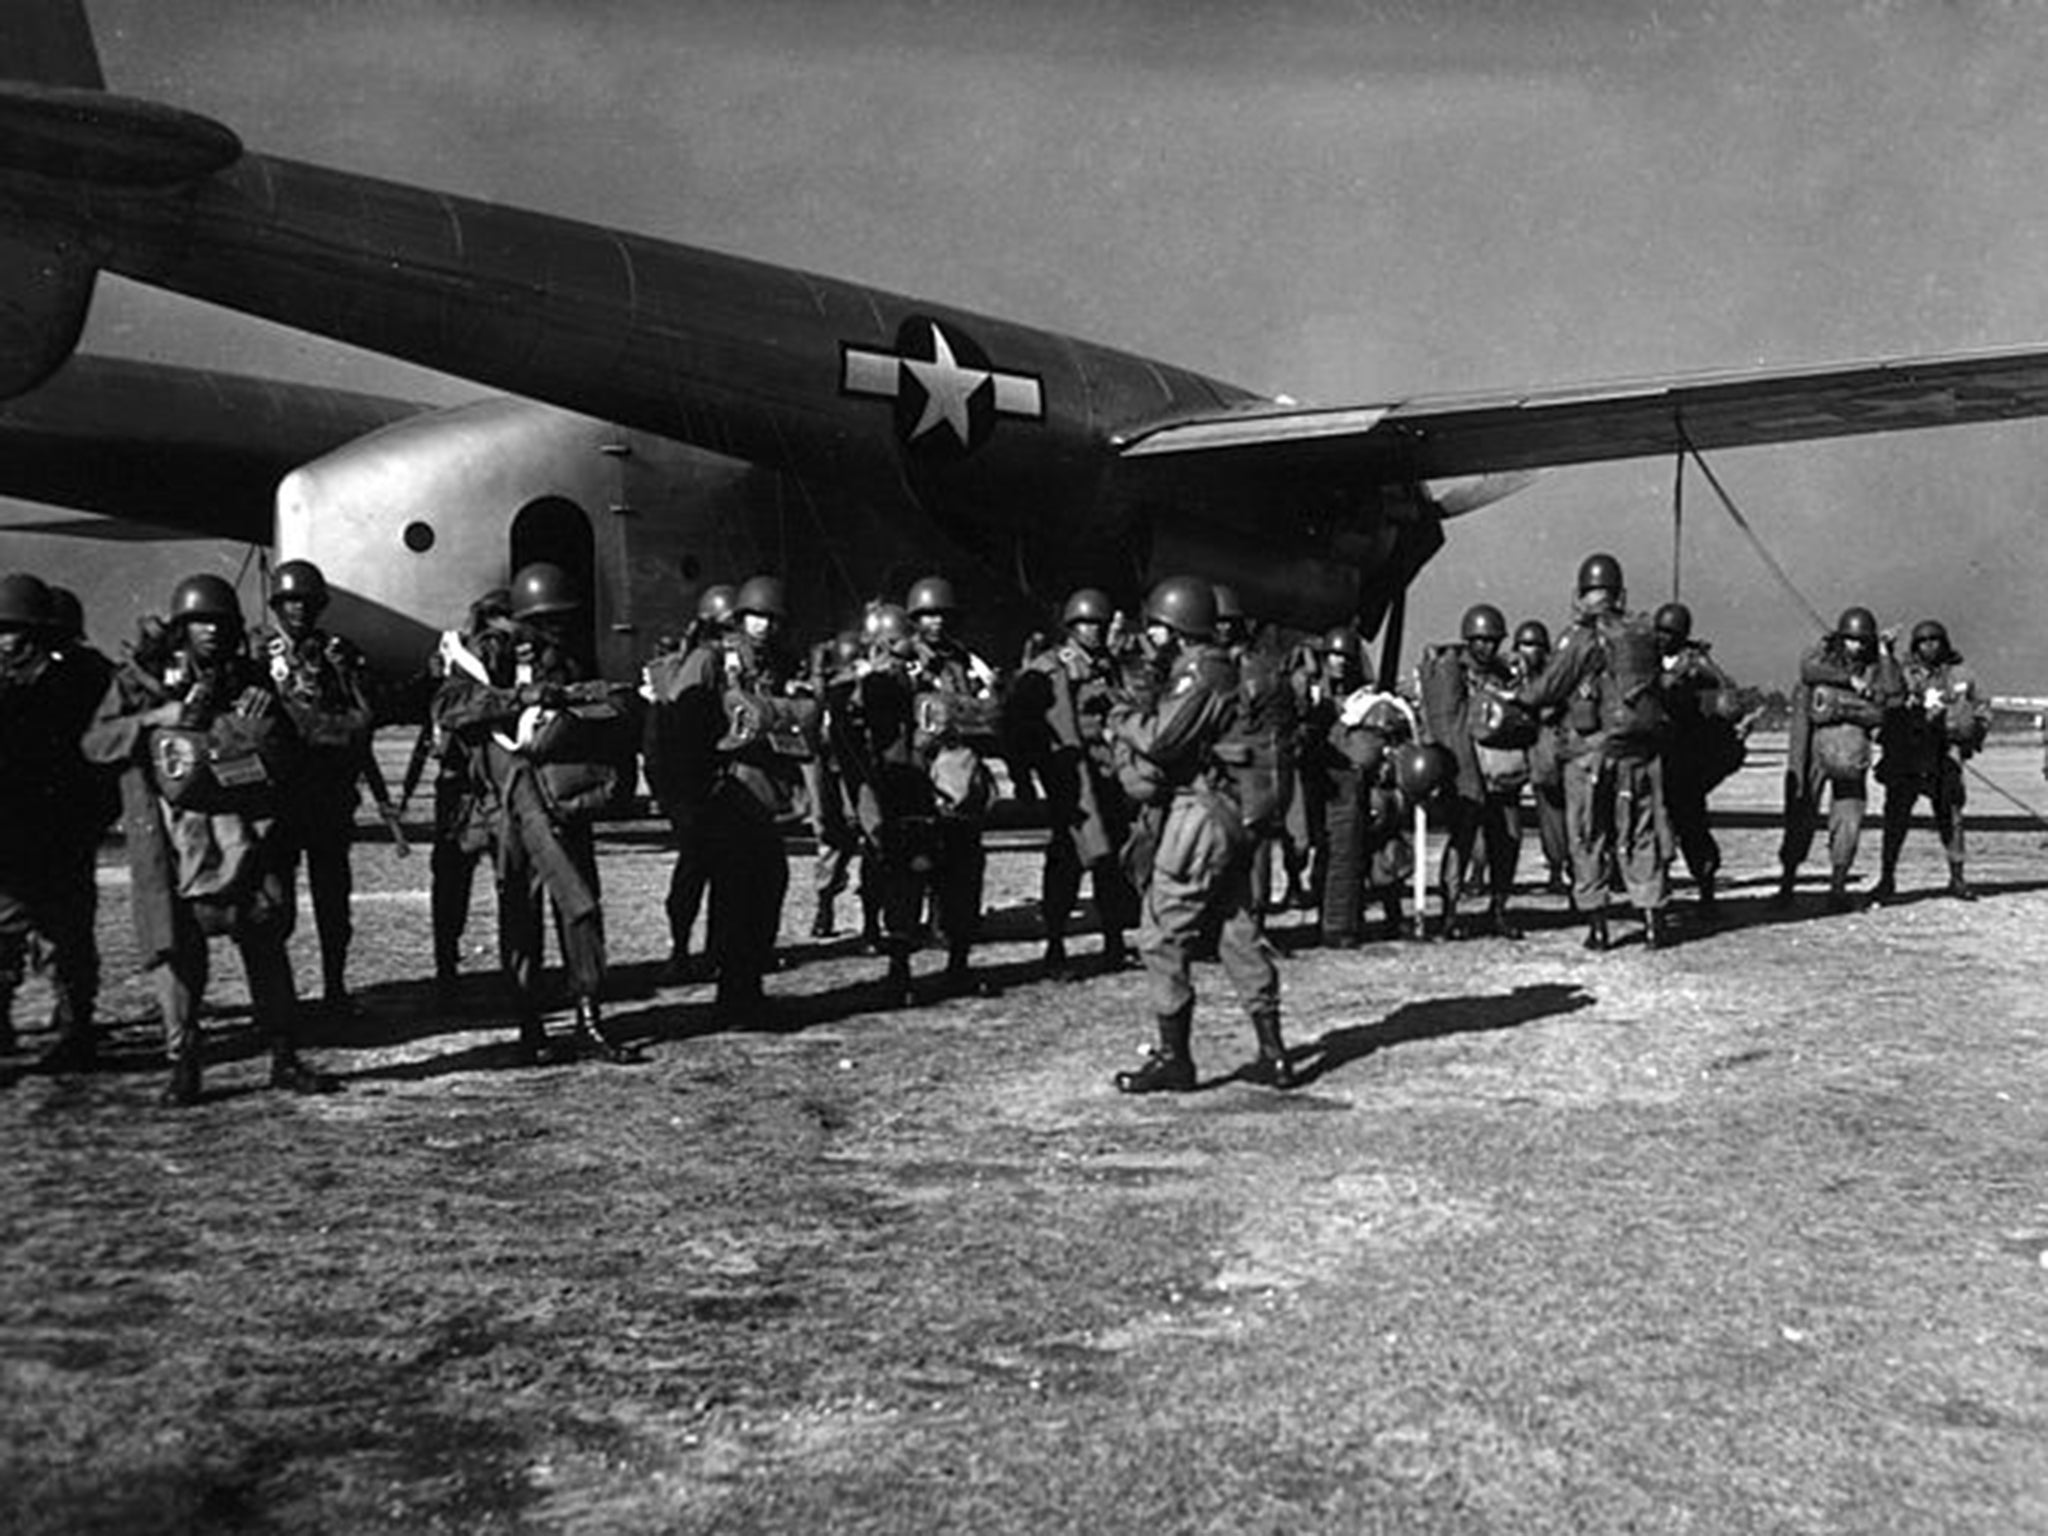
x=419 y=537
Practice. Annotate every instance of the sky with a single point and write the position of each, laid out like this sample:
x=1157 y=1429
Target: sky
x=1343 y=201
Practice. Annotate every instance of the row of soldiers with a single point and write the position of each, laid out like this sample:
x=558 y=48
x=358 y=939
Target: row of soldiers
x=1181 y=762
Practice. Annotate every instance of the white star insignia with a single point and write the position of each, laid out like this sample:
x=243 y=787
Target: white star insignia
x=947 y=389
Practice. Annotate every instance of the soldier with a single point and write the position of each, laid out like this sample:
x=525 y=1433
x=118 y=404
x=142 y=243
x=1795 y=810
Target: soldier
x=1331 y=774
x=463 y=804
x=1846 y=683
x=835 y=824
x=88 y=799
x=1270 y=727
x=1605 y=675
x=684 y=688
x=1056 y=725
x=321 y=679
x=1703 y=746
x=536 y=727
x=1202 y=873
x=956 y=713
x=1486 y=789
x=1546 y=766
x=205 y=749
x=1937 y=724
x=769 y=742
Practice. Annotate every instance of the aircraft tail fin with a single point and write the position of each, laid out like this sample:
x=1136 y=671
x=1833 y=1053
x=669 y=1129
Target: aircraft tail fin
x=45 y=280
x=48 y=42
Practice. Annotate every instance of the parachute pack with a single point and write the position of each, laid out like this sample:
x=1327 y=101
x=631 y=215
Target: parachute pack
x=1631 y=703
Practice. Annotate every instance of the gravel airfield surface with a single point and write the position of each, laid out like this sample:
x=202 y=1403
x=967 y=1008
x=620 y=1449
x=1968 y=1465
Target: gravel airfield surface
x=1749 y=1235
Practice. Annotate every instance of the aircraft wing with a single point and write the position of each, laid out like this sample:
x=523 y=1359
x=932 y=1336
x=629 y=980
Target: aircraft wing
x=184 y=449
x=1450 y=436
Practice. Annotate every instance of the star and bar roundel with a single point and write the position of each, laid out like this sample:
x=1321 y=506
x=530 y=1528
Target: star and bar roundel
x=947 y=395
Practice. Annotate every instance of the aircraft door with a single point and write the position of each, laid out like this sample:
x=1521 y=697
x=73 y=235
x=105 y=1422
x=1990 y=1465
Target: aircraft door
x=555 y=529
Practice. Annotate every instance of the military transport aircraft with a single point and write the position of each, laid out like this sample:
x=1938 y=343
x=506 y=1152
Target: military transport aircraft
x=857 y=432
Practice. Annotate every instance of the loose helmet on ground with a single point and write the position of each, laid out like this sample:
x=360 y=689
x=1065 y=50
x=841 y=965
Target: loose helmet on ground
x=299 y=578
x=542 y=588
x=1857 y=624
x=1088 y=605
x=205 y=597
x=1185 y=605
x=1599 y=573
x=931 y=594
x=762 y=594
x=1532 y=632
x=1483 y=621
x=1675 y=620
x=24 y=601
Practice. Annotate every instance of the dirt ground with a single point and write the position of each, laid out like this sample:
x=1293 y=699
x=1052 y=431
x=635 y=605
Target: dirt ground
x=1749 y=1235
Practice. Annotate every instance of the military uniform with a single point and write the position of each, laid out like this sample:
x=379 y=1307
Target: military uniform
x=955 y=714
x=684 y=722
x=205 y=748
x=759 y=788
x=463 y=805
x=535 y=728
x=1201 y=875
x=1482 y=812
x=1613 y=779
x=1855 y=691
x=322 y=682
x=1056 y=723
x=1937 y=723
x=1546 y=764
x=1701 y=750
x=88 y=801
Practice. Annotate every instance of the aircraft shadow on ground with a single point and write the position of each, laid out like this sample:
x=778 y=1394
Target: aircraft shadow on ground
x=1435 y=1018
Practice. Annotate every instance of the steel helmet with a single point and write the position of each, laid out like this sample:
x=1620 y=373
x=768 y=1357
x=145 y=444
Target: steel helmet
x=1421 y=769
x=931 y=594
x=299 y=578
x=1228 y=604
x=762 y=594
x=1675 y=620
x=1483 y=621
x=715 y=603
x=887 y=624
x=1600 y=573
x=1344 y=641
x=67 y=614
x=24 y=601
x=1388 y=719
x=1857 y=624
x=1184 y=604
x=1088 y=605
x=492 y=603
x=1532 y=632
x=542 y=588
x=1931 y=629
x=205 y=597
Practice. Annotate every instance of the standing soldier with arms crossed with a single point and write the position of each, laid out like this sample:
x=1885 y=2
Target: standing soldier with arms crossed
x=1201 y=874
x=322 y=682
x=1939 y=721
x=1056 y=718
x=1605 y=676
x=1846 y=683
x=206 y=754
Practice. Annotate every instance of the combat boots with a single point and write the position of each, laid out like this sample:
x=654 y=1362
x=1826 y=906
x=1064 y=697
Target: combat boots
x=824 y=925
x=1710 y=907
x=1958 y=887
x=183 y=1088
x=1887 y=886
x=1656 y=931
x=897 y=991
x=1272 y=1067
x=1787 y=884
x=590 y=1025
x=1838 y=891
x=535 y=1049
x=289 y=1072
x=1597 y=938
x=1169 y=1068
x=1504 y=926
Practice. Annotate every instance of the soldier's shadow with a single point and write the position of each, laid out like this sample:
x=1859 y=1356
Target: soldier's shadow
x=1436 y=1017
